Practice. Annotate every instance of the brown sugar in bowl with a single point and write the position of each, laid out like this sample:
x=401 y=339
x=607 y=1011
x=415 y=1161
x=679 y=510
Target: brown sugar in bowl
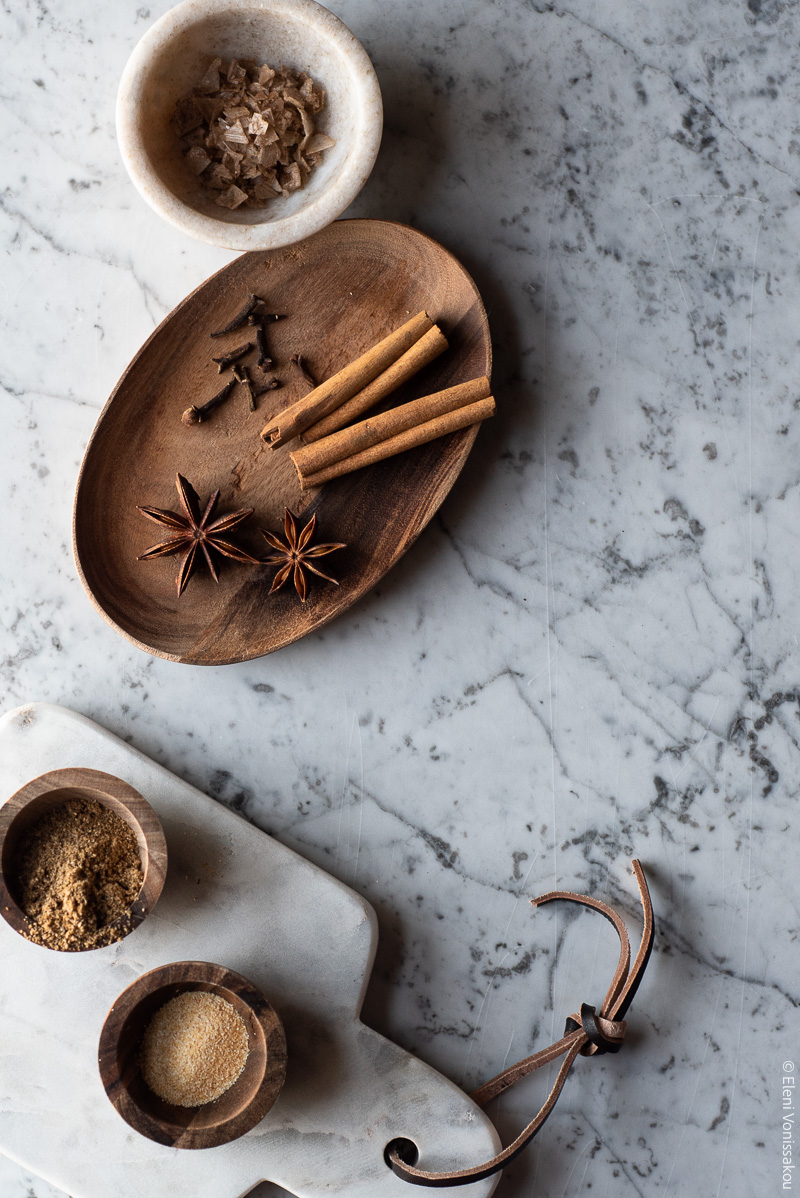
x=240 y=1107
x=47 y=792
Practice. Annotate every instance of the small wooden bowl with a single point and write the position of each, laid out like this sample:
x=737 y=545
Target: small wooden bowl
x=58 y=786
x=236 y=1111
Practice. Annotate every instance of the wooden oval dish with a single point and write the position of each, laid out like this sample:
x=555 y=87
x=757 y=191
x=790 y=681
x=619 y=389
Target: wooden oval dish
x=232 y=1114
x=58 y=786
x=342 y=290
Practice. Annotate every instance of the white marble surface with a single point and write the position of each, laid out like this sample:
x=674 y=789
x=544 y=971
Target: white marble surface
x=578 y=659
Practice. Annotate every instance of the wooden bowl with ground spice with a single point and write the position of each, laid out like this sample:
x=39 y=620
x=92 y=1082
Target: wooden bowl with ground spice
x=192 y=1055
x=82 y=860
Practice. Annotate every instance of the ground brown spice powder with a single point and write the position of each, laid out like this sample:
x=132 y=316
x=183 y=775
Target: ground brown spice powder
x=77 y=870
x=194 y=1048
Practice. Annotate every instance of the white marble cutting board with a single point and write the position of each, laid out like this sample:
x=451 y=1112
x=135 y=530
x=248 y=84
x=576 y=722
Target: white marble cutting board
x=235 y=896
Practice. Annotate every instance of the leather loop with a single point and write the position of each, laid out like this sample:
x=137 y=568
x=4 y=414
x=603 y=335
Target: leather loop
x=588 y=1034
x=603 y=1034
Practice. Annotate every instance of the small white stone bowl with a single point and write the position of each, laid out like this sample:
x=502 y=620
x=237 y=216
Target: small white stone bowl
x=171 y=58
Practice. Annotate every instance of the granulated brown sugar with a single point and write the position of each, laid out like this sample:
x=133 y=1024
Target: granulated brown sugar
x=77 y=870
x=194 y=1048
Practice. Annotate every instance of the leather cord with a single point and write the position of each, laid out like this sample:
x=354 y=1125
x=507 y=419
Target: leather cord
x=587 y=1033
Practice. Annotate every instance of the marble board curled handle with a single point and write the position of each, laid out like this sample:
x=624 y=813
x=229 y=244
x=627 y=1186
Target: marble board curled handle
x=236 y=896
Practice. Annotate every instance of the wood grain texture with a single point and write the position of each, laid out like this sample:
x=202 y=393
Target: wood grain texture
x=58 y=786
x=237 y=1110
x=343 y=290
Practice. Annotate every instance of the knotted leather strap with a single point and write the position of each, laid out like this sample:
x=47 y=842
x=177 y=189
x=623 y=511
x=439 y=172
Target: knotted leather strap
x=588 y=1033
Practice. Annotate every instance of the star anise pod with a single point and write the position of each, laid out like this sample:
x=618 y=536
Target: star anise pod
x=194 y=533
x=293 y=554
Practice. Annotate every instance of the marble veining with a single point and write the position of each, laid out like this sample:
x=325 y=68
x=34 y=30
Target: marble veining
x=592 y=651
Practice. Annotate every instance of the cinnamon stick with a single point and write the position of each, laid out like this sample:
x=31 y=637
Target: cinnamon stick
x=421 y=434
x=393 y=432
x=429 y=346
x=346 y=383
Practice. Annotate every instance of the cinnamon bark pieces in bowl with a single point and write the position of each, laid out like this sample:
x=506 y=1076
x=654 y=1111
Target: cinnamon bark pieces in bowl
x=231 y=148
x=82 y=860
x=204 y=1037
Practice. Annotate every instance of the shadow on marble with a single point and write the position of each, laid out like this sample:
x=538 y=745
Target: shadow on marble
x=268 y=1189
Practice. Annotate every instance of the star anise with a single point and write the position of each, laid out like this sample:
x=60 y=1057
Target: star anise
x=294 y=554
x=194 y=533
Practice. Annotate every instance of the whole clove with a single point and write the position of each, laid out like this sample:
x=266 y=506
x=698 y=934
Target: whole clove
x=241 y=316
x=196 y=414
x=264 y=360
x=242 y=375
x=257 y=317
x=306 y=375
x=235 y=354
x=253 y=311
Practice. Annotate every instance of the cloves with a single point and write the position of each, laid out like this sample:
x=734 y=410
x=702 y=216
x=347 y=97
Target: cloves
x=264 y=360
x=257 y=317
x=235 y=354
x=252 y=311
x=241 y=316
x=196 y=414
